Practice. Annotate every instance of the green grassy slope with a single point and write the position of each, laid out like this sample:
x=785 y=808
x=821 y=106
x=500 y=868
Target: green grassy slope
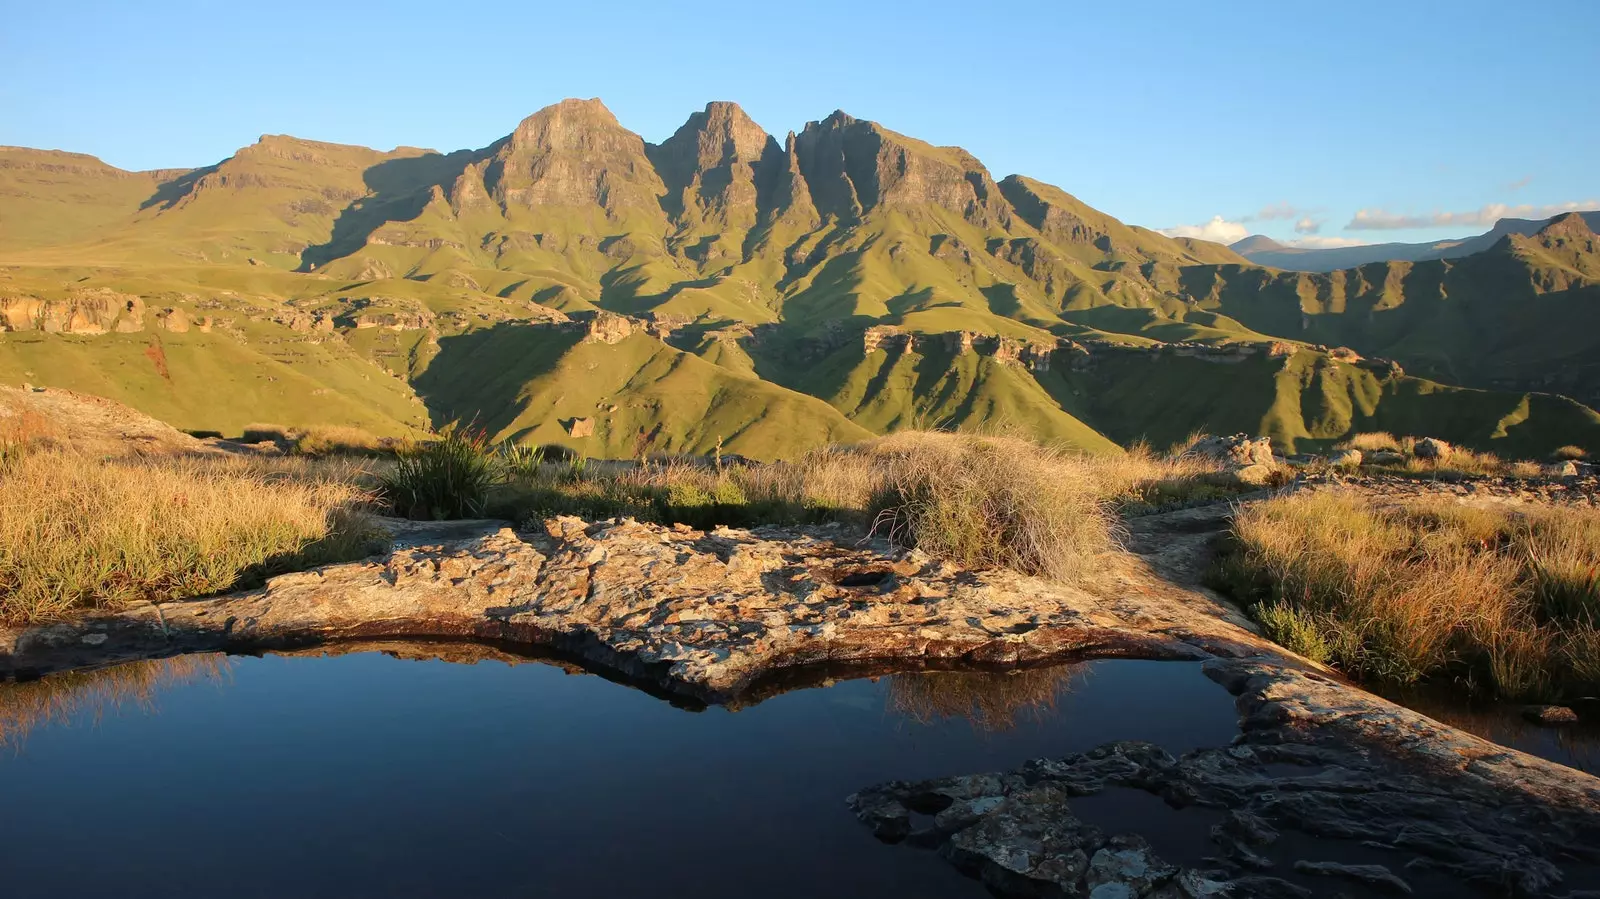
x=1310 y=401
x=215 y=382
x=529 y=383
x=936 y=387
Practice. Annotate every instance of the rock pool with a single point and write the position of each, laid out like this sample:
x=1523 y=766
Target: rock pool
x=365 y=774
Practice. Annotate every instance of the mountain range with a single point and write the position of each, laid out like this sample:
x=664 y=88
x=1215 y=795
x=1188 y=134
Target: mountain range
x=1263 y=250
x=574 y=283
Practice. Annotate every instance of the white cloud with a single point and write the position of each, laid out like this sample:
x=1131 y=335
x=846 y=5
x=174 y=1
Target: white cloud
x=1278 y=210
x=1219 y=230
x=1307 y=225
x=1324 y=243
x=1383 y=220
x=1520 y=183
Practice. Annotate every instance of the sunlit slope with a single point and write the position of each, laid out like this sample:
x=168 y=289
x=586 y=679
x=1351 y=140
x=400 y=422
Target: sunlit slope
x=215 y=382
x=638 y=396
x=1309 y=401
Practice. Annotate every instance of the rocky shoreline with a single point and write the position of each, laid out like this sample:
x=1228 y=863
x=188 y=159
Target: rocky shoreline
x=730 y=616
x=1322 y=782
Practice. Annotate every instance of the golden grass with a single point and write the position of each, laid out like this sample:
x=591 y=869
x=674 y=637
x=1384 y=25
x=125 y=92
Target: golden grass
x=78 y=533
x=1427 y=588
x=1570 y=453
x=1372 y=442
x=987 y=502
x=323 y=440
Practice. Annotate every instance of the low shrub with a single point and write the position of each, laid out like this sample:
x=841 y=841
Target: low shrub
x=1570 y=454
x=22 y=431
x=446 y=478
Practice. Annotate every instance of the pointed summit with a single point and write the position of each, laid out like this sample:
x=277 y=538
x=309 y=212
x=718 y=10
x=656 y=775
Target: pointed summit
x=1569 y=226
x=572 y=153
x=709 y=165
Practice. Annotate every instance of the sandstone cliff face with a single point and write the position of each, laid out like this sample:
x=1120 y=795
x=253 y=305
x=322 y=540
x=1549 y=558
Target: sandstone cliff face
x=574 y=153
x=789 y=196
x=94 y=311
x=854 y=167
x=712 y=165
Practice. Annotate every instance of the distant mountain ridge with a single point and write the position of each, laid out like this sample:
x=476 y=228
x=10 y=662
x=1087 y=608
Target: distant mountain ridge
x=1263 y=250
x=572 y=282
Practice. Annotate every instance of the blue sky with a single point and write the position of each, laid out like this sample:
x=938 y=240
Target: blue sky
x=1407 y=119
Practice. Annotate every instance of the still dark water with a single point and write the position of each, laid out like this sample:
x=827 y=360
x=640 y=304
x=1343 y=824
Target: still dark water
x=366 y=775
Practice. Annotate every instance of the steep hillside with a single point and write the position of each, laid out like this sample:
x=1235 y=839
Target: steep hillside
x=572 y=282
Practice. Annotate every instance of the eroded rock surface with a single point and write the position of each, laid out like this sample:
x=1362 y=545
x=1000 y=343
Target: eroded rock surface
x=1354 y=778
x=697 y=613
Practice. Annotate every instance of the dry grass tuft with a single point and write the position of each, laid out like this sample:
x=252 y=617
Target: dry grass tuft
x=1400 y=593
x=978 y=501
x=991 y=502
x=78 y=533
x=1373 y=442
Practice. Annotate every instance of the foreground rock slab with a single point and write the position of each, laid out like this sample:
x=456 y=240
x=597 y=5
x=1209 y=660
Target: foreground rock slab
x=701 y=614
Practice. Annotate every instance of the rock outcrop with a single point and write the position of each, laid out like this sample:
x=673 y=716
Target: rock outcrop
x=1433 y=449
x=91 y=311
x=1373 y=794
x=1249 y=460
x=718 y=616
x=855 y=166
x=700 y=614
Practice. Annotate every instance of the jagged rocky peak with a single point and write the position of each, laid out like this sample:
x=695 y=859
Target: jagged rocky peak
x=711 y=165
x=719 y=135
x=573 y=153
x=854 y=166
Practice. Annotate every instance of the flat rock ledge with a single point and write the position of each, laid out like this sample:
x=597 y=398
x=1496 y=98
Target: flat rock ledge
x=698 y=614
